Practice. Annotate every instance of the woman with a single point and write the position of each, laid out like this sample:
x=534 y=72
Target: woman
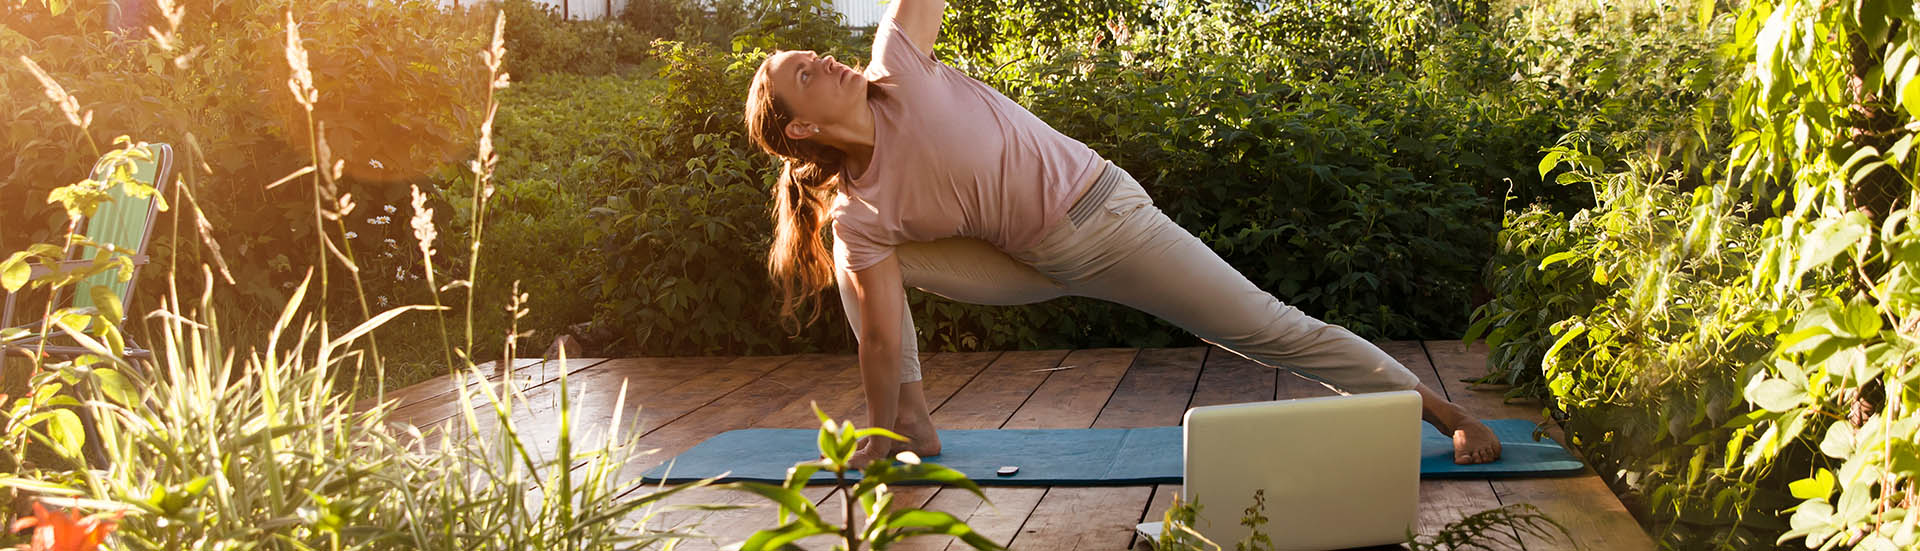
x=935 y=180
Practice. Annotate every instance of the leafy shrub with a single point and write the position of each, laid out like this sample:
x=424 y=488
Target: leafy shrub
x=206 y=445
x=398 y=97
x=1744 y=341
x=541 y=41
x=881 y=525
x=1387 y=241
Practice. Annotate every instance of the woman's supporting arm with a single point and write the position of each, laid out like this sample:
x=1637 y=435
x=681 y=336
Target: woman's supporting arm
x=881 y=298
x=920 y=19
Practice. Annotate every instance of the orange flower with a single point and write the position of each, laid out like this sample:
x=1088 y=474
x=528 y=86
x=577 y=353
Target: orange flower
x=58 y=531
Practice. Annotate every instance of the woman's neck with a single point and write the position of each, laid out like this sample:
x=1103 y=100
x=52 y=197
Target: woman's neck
x=855 y=138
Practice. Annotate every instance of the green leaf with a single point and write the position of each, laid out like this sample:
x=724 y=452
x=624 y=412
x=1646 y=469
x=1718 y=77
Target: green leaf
x=1475 y=331
x=1777 y=395
x=1551 y=160
x=116 y=387
x=1564 y=339
x=38 y=486
x=377 y=321
x=1910 y=93
x=1556 y=258
x=916 y=522
x=1812 y=516
x=1860 y=320
x=1820 y=486
x=1803 y=340
x=65 y=429
x=787 y=498
x=15 y=272
x=108 y=302
x=1838 y=442
x=876 y=431
x=830 y=446
x=778 y=538
x=1828 y=239
x=1852 y=362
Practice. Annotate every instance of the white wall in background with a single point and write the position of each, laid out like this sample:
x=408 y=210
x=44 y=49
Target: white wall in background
x=574 y=9
x=859 y=13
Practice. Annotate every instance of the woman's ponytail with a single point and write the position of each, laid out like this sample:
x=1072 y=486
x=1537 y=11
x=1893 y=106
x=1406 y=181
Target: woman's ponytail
x=799 y=261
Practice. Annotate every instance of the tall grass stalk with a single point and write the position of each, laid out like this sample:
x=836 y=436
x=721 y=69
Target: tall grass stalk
x=206 y=446
x=328 y=202
x=482 y=167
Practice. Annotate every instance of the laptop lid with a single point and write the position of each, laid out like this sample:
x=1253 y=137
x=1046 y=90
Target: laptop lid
x=1337 y=472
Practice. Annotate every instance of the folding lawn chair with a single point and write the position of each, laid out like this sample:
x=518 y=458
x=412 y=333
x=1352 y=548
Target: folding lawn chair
x=123 y=221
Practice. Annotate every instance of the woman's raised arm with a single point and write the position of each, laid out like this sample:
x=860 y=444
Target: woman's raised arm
x=920 y=19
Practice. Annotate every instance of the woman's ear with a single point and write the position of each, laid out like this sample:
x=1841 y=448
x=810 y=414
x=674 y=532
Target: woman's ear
x=797 y=130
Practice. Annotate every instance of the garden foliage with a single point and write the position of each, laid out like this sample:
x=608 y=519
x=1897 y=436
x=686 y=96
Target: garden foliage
x=1734 y=332
x=1350 y=157
x=399 y=98
x=1356 y=176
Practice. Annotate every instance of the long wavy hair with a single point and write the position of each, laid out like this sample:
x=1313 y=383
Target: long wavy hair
x=798 y=260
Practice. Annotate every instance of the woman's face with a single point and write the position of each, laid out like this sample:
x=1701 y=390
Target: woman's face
x=819 y=90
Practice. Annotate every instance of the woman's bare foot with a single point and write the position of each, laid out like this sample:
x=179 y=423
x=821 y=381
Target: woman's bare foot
x=871 y=449
x=1473 y=442
x=922 y=439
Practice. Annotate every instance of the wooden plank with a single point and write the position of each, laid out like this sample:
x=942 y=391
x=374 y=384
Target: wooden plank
x=432 y=401
x=1592 y=514
x=1154 y=393
x=1073 y=396
x=1225 y=378
x=941 y=377
x=1156 y=512
x=539 y=404
x=1441 y=501
x=653 y=397
x=748 y=406
x=1156 y=389
x=991 y=398
x=844 y=398
x=1164 y=494
x=987 y=402
x=1228 y=378
x=434 y=387
x=1080 y=517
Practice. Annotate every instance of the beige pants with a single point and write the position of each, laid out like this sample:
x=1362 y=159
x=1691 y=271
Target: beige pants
x=1117 y=246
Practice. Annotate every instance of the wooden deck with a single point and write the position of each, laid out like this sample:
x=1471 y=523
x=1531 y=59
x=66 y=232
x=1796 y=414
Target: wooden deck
x=686 y=400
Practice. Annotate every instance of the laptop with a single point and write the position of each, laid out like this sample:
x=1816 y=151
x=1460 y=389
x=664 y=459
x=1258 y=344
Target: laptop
x=1338 y=471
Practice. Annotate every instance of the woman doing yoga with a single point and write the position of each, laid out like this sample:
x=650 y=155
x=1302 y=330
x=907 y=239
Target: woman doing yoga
x=935 y=180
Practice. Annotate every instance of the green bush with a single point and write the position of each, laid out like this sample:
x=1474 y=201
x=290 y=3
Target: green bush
x=540 y=41
x=1737 y=345
x=1366 y=199
x=398 y=98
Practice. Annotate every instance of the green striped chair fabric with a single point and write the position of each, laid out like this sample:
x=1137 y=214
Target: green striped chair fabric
x=125 y=222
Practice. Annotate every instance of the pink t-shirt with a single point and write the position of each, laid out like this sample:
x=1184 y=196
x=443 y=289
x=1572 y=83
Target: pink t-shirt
x=951 y=157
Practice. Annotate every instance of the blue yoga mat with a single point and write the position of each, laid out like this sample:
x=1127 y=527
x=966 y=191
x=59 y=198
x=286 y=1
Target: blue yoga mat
x=1074 y=457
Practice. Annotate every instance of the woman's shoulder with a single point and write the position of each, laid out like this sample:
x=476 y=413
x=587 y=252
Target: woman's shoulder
x=897 y=57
